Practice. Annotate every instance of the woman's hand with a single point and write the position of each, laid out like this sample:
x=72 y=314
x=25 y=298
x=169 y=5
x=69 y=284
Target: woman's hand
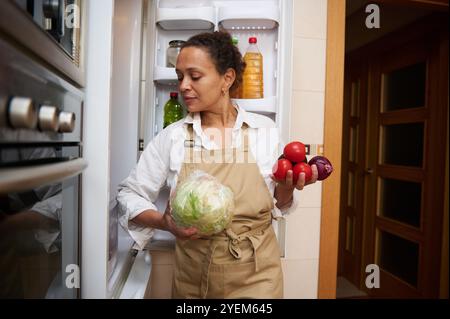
x=288 y=183
x=284 y=189
x=179 y=232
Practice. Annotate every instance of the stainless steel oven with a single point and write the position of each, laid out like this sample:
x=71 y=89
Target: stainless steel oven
x=40 y=170
x=50 y=29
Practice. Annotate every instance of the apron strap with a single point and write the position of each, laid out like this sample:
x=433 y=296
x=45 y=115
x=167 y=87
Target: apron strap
x=245 y=137
x=205 y=270
x=234 y=249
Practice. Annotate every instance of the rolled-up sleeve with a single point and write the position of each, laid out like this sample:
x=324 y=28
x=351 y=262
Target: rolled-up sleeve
x=139 y=191
x=277 y=146
x=268 y=148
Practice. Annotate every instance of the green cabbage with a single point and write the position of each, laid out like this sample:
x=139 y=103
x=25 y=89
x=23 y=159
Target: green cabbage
x=203 y=202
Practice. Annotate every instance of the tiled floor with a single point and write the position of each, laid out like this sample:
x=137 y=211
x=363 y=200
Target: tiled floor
x=345 y=289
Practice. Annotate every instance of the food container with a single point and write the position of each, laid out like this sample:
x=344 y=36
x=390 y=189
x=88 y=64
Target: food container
x=172 y=52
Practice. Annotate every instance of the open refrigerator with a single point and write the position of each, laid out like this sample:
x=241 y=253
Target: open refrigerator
x=270 y=21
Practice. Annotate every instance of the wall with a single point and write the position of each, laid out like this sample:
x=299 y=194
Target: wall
x=301 y=263
x=391 y=18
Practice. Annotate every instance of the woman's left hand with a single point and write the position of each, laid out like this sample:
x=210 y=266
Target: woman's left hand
x=288 y=183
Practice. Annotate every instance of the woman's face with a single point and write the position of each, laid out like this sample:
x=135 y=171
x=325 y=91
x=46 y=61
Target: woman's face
x=199 y=82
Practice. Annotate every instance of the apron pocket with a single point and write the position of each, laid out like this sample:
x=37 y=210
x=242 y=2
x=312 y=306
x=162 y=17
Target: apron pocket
x=242 y=281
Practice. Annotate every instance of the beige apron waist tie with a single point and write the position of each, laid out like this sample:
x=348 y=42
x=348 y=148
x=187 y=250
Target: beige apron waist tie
x=234 y=249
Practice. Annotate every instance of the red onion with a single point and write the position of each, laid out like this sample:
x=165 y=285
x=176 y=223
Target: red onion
x=324 y=166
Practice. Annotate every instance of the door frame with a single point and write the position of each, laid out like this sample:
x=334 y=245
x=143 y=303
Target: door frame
x=333 y=120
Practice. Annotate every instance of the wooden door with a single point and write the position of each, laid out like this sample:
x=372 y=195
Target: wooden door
x=393 y=179
x=404 y=179
x=352 y=187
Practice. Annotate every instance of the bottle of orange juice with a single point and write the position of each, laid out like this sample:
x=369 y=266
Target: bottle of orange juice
x=252 y=81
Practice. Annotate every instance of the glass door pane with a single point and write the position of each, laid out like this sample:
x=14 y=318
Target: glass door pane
x=404 y=88
x=400 y=200
x=353 y=146
x=403 y=144
x=398 y=256
x=355 y=98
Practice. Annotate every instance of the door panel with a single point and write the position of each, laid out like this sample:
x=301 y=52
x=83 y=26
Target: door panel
x=398 y=256
x=395 y=104
x=393 y=199
x=355 y=106
x=400 y=200
x=402 y=144
x=397 y=202
x=404 y=88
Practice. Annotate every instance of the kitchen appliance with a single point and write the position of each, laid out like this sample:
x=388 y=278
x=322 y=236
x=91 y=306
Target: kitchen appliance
x=40 y=167
x=270 y=21
x=51 y=29
x=165 y=20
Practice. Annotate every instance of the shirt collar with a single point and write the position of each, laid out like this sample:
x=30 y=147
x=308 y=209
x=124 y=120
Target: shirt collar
x=242 y=117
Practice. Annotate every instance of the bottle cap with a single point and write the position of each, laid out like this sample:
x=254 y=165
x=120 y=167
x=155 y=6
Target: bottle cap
x=252 y=40
x=173 y=95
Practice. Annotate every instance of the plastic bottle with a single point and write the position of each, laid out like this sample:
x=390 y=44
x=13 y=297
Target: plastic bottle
x=252 y=82
x=236 y=92
x=173 y=110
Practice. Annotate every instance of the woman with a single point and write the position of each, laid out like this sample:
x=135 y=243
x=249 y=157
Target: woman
x=244 y=260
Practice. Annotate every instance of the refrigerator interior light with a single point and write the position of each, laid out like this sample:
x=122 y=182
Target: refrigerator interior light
x=248 y=24
x=265 y=16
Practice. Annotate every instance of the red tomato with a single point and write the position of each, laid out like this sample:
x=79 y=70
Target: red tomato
x=302 y=168
x=280 y=169
x=295 y=152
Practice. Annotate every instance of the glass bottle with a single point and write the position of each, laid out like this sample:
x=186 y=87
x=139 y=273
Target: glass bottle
x=252 y=82
x=173 y=110
x=172 y=52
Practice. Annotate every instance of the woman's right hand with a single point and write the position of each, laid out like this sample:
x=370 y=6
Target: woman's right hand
x=179 y=232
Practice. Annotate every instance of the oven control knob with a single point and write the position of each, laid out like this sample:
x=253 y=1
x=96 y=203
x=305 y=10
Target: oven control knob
x=66 y=122
x=22 y=113
x=48 y=118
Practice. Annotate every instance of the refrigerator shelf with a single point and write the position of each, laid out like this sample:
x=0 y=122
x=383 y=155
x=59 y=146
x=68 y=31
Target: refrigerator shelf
x=200 y=18
x=263 y=106
x=261 y=17
x=164 y=75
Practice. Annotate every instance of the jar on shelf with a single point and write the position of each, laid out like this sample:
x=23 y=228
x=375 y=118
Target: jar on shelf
x=172 y=52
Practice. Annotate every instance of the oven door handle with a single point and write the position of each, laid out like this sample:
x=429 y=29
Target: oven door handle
x=26 y=178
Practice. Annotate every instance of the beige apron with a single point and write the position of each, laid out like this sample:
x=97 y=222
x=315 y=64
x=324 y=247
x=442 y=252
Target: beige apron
x=244 y=260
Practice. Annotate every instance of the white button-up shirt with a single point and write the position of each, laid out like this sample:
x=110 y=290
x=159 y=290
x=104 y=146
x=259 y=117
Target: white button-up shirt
x=161 y=161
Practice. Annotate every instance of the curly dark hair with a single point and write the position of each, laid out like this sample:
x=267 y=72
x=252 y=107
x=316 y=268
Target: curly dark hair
x=223 y=52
